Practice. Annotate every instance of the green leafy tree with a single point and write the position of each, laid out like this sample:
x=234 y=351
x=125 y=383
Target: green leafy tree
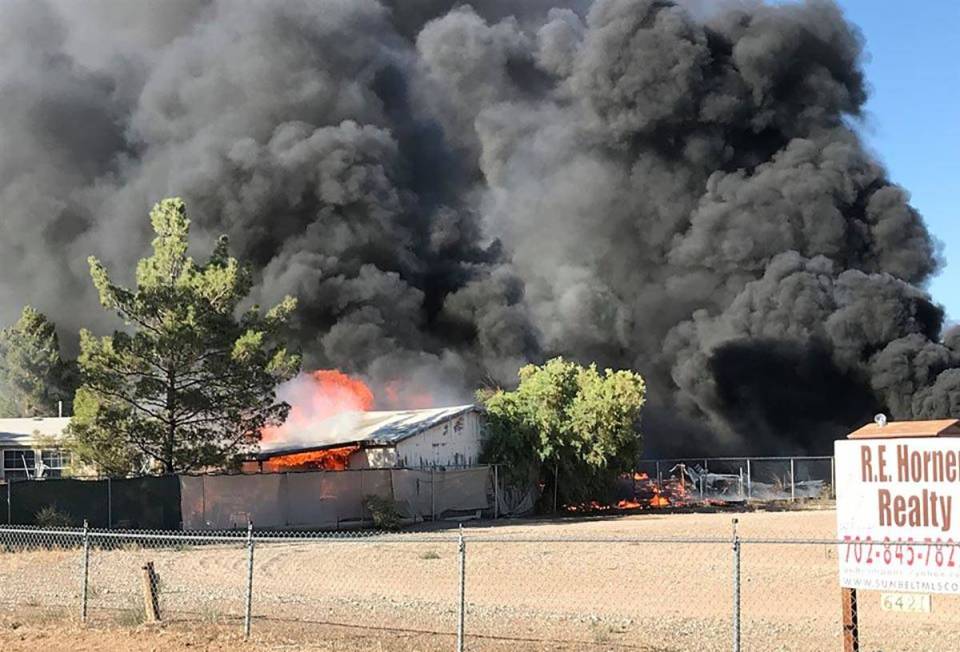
x=569 y=422
x=33 y=377
x=190 y=384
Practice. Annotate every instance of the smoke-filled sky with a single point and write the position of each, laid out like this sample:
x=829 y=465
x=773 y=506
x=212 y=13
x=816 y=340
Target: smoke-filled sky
x=454 y=190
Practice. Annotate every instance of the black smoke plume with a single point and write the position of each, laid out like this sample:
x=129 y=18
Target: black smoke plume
x=452 y=190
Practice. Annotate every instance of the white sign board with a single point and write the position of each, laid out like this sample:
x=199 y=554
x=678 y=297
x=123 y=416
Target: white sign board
x=898 y=512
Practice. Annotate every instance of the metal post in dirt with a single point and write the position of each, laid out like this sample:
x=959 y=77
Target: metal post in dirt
x=462 y=550
x=793 y=484
x=151 y=600
x=833 y=477
x=736 y=588
x=249 y=602
x=851 y=633
x=659 y=477
x=86 y=571
x=749 y=481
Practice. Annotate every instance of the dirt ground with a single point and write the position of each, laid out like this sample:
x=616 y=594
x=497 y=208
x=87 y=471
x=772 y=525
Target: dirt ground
x=570 y=584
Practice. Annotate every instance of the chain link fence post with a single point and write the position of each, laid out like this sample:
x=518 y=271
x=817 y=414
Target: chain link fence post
x=86 y=571
x=793 y=483
x=736 y=588
x=249 y=599
x=462 y=549
x=833 y=478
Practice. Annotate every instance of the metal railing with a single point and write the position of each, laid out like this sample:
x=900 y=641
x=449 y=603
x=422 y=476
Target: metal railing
x=463 y=589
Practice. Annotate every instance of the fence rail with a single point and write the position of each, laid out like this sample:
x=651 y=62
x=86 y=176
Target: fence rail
x=465 y=589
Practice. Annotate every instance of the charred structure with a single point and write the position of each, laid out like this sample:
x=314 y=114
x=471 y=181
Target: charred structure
x=454 y=190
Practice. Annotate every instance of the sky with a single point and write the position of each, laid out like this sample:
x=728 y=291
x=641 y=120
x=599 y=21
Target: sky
x=912 y=121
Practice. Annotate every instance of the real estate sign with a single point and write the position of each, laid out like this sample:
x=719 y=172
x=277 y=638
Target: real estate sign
x=898 y=514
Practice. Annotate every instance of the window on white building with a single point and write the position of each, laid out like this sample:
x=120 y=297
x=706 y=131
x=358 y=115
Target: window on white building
x=28 y=464
x=19 y=463
x=54 y=462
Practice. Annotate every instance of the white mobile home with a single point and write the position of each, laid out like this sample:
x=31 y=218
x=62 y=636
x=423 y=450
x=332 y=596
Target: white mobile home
x=435 y=437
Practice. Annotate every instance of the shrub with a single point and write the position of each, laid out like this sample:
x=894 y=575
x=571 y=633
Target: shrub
x=385 y=512
x=574 y=428
x=50 y=516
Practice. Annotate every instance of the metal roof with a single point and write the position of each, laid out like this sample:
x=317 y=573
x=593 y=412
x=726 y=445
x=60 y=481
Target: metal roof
x=937 y=428
x=23 y=432
x=376 y=428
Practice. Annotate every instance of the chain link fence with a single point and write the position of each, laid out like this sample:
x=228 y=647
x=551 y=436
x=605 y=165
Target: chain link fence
x=474 y=589
x=733 y=479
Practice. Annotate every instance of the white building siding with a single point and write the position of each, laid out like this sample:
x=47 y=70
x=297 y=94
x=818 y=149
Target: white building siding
x=456 y=442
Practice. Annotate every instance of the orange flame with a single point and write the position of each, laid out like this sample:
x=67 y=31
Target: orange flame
x=316 y=396
x=659 y=501
x=313 y=397
x=672 y=492
x=333 y=459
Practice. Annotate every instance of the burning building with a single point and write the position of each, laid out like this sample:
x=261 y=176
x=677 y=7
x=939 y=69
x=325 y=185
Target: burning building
x=428 y=438
x=332 y=426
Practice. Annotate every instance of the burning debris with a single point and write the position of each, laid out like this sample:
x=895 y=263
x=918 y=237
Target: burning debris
x=689 y=484
x=644 y=494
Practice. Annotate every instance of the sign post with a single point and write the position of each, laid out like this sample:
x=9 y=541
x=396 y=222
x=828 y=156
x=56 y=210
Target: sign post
x=898 y=512
x=851 y=637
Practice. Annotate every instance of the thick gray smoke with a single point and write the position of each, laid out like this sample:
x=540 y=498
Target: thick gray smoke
x=453 y=190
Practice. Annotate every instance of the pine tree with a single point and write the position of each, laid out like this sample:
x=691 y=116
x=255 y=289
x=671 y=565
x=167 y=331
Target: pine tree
x=33 y=377
x=189 y=385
